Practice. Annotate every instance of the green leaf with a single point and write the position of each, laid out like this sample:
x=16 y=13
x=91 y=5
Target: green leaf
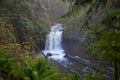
x=113 y=12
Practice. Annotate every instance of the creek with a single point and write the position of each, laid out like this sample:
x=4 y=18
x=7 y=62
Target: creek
x=66 y=54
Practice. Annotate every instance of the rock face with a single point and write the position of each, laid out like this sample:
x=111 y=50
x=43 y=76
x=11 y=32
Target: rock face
x=73 y=47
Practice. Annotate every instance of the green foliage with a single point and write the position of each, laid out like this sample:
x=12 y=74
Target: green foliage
x=94 y=76
x=113 y=12
x=32 y=68
x=77 y=8
x=110 y=43
x=26 y=17
x=75 y=76
x=6 y=64
x=104 y=31
x=27 y=68
x=89 y=76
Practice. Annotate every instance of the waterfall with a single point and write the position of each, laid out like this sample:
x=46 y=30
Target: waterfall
x=53 y=42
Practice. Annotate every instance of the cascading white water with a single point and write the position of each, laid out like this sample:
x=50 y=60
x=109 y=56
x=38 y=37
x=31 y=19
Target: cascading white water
x=53 y=42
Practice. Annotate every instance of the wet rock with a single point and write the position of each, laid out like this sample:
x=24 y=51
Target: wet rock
x=48 y=54
x=87 y=70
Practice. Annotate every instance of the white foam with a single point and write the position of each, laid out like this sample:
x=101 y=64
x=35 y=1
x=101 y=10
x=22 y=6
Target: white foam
x=53 y=43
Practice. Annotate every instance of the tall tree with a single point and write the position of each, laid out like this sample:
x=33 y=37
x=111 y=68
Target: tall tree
x=104 y=31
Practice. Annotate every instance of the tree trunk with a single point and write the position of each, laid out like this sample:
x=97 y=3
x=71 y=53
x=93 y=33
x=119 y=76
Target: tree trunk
x=116 y=70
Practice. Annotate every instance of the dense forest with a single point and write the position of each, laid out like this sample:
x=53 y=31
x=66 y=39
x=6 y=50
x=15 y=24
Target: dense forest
x=24 y=25
x=101 y=21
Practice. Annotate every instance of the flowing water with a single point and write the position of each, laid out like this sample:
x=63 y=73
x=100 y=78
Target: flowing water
x=75 y=62
x=53 y=42
x=53 y=46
